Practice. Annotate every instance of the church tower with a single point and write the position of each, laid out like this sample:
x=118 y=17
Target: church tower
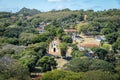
x=85 y=17
x=53 y=48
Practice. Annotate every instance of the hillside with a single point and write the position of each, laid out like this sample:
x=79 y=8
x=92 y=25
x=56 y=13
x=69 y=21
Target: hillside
x=28 y=37
x=29 y=12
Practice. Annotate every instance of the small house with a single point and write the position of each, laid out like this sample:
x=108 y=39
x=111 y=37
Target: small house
x=70 y=31
x=90 y=45
x=40 y=27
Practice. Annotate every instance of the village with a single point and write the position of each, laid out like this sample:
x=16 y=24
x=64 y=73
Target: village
x=60 y=44
x=84 y=43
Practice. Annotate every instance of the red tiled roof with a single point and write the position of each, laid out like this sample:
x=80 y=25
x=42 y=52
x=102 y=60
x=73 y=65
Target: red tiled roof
x=38 y=28
x=90 y=45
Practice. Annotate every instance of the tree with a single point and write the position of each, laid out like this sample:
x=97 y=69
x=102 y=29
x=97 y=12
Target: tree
x=12 y=32
x=118 y=70
x=52 y=29
x=100 y=75
x=116 y=45
x=66 y=39
x=78 y=65
x=27 y=38
x=40 y=49
x=2 y=29
x=90 y=75
x=84 y=29
x=14 y=41
x=109 y=26
x=101 y=53
x=61 y=75
x=111 y=58
x=63 y=48
x=81 y=25
x=7 y=52
x=77 y=53
x=59 y=32
x=101 y=65
x=107 y=47
x=105 y=31
x=74 y=47
x=88 y=64
x=11 y=69
x=111 y=38
x=28 y=58
x=45 y=37
x=47 y=63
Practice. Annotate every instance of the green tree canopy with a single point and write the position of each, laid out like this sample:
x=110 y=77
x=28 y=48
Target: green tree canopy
x=101 y=53
x=88 y=64
x=12 y=70
x=63 y=47
x=47 y=63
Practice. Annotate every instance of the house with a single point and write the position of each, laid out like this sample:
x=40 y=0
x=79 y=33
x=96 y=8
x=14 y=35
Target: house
x=70 y=31
x=90 y=45
x=41 y=30
x=77 y=38
x=40 y=27
x=100 y=38
x=89 y=42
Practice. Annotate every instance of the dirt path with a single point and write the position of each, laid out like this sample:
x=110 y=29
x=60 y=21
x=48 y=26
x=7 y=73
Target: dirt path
x=61 y=62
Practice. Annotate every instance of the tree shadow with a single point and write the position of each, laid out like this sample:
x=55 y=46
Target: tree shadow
x=68 y=58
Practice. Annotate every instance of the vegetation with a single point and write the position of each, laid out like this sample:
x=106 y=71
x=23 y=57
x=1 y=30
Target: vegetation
x=25 y=37
x=63 y=48
x=90 y=75
x=47 y=63
x=85 y=64
x=12 y=70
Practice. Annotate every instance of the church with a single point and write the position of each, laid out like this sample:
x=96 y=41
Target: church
x=54 y=49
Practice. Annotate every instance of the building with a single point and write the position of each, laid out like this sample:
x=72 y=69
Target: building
x=85 y=17
x=77 y=38
x=90 y=45
x=41 y=30
x=69 y=31
x=100 y=38
x=40 y=27
x=54 y=49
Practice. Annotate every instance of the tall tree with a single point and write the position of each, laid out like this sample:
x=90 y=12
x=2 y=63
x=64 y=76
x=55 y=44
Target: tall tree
x=63 y=48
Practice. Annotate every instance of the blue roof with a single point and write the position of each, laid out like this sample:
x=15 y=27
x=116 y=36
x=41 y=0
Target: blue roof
x=87 y=55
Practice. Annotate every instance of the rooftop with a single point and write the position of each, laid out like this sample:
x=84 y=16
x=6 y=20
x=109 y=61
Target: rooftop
x=70 y=30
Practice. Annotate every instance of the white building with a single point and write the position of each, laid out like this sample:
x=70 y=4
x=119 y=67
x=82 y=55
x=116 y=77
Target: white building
x=54 y=49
